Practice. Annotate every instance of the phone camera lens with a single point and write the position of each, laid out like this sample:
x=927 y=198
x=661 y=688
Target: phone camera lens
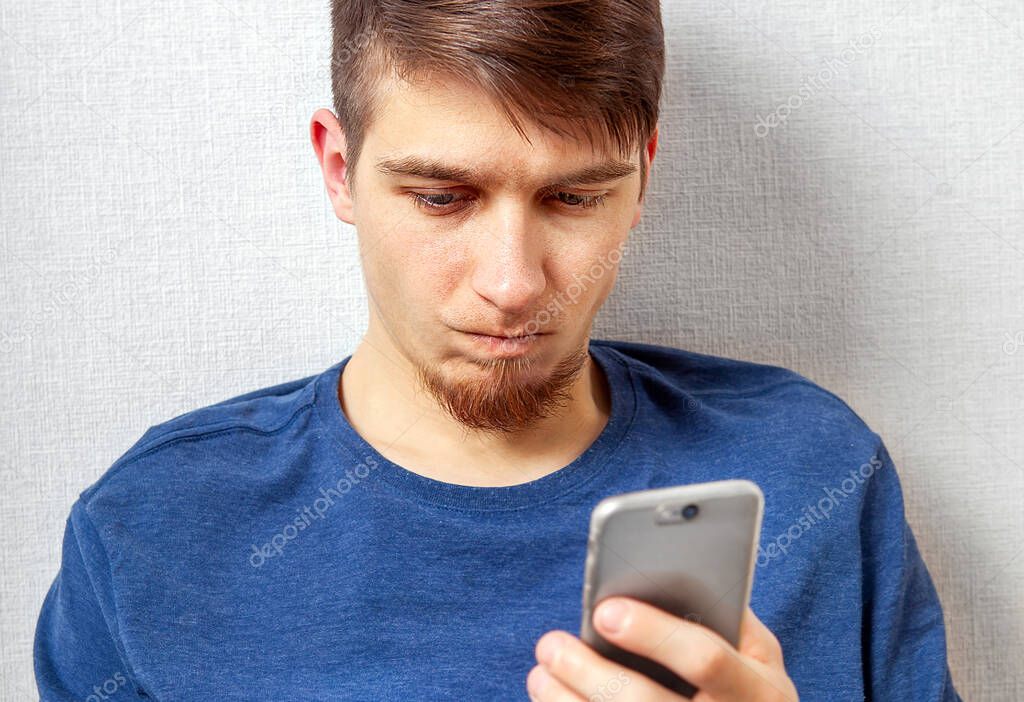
x=690 y=511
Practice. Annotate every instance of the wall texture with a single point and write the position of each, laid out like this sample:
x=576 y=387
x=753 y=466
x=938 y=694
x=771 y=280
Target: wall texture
x=838 y=190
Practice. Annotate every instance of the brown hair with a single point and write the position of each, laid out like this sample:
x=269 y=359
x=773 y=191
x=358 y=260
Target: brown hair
x=593 y=65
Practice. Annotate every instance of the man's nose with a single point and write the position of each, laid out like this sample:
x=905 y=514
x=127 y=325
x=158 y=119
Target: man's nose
x=510 y=256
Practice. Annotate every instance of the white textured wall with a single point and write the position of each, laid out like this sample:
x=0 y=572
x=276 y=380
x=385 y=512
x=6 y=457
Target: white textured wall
x=167 y=243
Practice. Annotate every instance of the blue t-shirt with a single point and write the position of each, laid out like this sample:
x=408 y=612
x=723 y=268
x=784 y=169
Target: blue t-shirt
x=260 y=549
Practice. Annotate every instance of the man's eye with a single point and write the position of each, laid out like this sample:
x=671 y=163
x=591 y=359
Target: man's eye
x=581 y=201
x=427 y=201
x=439 y=201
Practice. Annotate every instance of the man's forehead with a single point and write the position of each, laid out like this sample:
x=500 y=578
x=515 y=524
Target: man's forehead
x=410 y=141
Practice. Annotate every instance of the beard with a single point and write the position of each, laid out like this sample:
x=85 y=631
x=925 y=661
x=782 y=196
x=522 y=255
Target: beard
x=504 y=400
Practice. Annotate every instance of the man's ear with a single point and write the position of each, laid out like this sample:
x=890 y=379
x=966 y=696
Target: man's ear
x=648 y=156
x=330 y=147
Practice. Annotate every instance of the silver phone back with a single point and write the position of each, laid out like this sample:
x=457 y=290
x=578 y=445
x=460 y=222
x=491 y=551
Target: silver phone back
x=700 y=568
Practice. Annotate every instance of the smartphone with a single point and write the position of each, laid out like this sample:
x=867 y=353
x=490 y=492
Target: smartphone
x=689 y=550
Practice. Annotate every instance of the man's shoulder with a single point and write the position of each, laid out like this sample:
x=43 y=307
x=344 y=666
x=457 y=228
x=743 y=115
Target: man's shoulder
x=710 y=375
x=222 y=426
x=699 y=371
x=753 y=394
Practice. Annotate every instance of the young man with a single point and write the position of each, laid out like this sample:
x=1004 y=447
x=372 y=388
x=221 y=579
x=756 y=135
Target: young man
x=411 y=523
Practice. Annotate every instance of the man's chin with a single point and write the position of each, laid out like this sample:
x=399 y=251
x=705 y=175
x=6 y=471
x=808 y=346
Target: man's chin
x=503 y=394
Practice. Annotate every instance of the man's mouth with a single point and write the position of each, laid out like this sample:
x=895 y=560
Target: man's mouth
x=505 y=343
x=506 y=335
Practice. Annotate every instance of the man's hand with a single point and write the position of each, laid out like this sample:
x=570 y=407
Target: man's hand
x=571 y=671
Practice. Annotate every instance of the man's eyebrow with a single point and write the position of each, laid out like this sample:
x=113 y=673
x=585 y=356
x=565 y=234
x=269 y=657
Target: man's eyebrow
x=435 y=169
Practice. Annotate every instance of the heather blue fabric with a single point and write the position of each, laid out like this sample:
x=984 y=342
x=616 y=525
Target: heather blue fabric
x=260 y=549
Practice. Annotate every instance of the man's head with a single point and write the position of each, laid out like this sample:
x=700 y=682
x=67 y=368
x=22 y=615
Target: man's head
x=493 y=157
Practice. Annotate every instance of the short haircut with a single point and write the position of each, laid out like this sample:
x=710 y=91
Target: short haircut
x=592 y=65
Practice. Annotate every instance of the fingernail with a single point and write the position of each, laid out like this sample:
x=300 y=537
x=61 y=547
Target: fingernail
x=611 y=616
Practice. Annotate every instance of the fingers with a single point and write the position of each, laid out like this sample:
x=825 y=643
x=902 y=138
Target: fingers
x=589 y=675
x=693 y=651
x=571 y=671
x=758 y=641
x=543 y=687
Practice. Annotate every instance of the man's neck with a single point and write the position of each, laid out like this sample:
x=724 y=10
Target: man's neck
x=384 y=403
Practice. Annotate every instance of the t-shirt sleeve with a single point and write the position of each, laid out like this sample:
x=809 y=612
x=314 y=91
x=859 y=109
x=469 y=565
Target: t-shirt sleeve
x=77 y=653
x=904 y=635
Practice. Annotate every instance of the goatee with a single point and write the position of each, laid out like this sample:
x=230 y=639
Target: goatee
x=505 y=399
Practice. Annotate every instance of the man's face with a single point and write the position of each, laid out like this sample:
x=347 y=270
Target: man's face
x=484 y=249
